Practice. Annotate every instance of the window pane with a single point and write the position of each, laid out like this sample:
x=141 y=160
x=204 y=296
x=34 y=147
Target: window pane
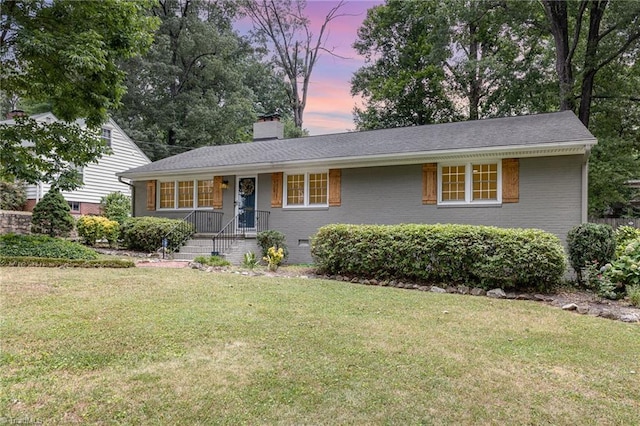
x=205 y=193
x=453 y=179
x=318 y=188
x=167 y=195
x=106 y=136
x=295 y=190
x=185 y=194
x=485 y=182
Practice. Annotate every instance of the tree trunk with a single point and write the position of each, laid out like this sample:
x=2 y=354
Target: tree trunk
x=556 y=12
x=474 y=80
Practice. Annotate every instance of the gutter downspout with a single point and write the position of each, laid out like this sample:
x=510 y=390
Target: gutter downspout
x=585 y=185
x=133 y=195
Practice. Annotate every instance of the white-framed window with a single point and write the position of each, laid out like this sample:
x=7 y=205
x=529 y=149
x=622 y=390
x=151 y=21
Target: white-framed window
x=185 y=194
x=470 y=183
x=306 y=189
x=74 y=206
x=106 y=136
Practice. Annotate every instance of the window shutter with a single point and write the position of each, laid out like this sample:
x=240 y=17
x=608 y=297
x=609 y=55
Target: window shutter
x=335 y=189
x=276 y=189
x=217 y=192
x=510 y=180
x=430 y=183
x=151 y=195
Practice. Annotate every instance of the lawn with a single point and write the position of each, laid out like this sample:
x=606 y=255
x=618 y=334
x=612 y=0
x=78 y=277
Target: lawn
x=181 y=346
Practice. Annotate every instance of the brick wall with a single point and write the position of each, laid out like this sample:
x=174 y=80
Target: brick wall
x=15 y=222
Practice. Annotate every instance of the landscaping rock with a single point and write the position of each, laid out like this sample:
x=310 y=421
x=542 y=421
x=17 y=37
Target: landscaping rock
x=511 y=295
x=524 y=296
x=583 y=310
x=496 y=293
x=630 y=317
x=478 y=291
x=607 y=313
x=570 y=307
x=463 y=289
x=451 y=289
x=543 y=298
x=435 y=289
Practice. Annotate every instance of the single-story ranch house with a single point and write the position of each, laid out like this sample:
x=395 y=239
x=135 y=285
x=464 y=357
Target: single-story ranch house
x=525 y=172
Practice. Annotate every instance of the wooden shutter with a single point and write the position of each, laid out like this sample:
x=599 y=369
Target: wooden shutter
x=151 y=195
x=430 y=183
x=510 y=180
x=217 y=192
x=335 y=190
x=276 y=189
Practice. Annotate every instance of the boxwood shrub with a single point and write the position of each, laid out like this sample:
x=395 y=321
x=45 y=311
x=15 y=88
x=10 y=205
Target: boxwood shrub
x=481 y=256
x=43 y=246
x=146 y=233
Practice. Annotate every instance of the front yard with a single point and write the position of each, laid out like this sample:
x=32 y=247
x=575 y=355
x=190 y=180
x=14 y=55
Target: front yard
x=180 y=346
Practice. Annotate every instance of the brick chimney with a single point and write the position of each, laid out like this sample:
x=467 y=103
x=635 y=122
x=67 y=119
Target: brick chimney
x=268 y=127
x=15 y=113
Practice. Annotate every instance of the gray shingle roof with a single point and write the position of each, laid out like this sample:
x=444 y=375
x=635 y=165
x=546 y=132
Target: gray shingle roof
x=551 y=128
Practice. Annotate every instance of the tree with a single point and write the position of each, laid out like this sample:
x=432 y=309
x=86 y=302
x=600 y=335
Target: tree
x=116 y=206
x=64 y=52
x=51 y=215
x=430 y=62
x=198 y=85
x=282 y=24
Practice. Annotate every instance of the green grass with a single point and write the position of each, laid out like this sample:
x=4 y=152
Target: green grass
x=180 y=346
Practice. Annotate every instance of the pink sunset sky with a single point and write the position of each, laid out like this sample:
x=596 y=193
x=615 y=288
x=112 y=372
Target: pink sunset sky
x=329 y=103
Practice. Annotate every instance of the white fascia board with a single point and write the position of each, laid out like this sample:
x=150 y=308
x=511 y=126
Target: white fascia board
x=519 y=151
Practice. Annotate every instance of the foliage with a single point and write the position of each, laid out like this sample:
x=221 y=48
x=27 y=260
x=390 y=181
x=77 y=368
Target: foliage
x=65 y=53
x=212 y=260
x=274 y=258
x=633 y=291
x=13 y=195
x=250 y=260
x=93 y=228
x=474 y=255
x=40 y=246
x=116 y=206
x=590 y=243
x=272 y=238
x=612 y=279
x=146 y=233
x=20 y=261
x=51 y=215
x=624 y=236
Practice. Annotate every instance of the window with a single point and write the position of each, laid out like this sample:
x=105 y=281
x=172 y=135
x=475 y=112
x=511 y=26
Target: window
x=185 y=194
x=307 y=189
x=205 y=193
x=469 y=183
x=167 y=195
x=74 y=206
x=106 y=136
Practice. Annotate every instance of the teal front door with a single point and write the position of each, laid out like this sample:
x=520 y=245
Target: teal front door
x=246 y=202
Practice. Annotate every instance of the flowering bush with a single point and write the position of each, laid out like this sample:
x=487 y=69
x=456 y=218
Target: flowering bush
x=612 y=279
x=274 y=258
x=93 y=228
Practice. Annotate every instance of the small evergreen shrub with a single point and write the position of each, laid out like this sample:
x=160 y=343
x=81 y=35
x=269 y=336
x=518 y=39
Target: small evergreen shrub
x=13 y=195
x=51 y=215
x=212 y=261
x=116 y=206
x=146 y=233
x=43 y=247
x=272 y=238
x=481 y=256
x=590 y=243
x=94 y=228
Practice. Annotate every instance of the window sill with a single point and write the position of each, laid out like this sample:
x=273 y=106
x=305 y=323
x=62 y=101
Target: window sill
x=301 y=208
x=469 y=205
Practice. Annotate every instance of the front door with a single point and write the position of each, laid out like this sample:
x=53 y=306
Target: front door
x=246 y=202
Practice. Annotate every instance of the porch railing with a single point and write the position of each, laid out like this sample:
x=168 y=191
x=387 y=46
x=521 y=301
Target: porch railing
x=237 y=228
x=196 y=222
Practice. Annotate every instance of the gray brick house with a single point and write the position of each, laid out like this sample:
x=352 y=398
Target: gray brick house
x=527 y=172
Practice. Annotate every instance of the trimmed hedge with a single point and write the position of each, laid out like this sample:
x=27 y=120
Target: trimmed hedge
x=24 y=261
x=43 y=246
x=146 y=233
x=481 y=256
x=93 y=228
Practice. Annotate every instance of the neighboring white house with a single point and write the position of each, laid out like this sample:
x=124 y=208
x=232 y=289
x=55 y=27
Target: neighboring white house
x=99 y=178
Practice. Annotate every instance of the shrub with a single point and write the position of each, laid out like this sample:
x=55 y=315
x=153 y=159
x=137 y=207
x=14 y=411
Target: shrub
x=93 y=228
x=13 y=195
x=590 y=243
x=272 y=238
x=51 y=215
x=67 y=263
x=274 y=258
x=146 y=233
x=212 y=260
x=43 y=246
x=624 y=236
x=476 y=255
x=116 y=206
x=250 y=260
x=612 y=279
x=633 y=291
